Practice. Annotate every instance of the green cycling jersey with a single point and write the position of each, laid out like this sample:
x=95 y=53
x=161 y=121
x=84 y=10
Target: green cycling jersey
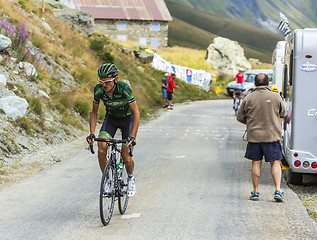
x=119 y=105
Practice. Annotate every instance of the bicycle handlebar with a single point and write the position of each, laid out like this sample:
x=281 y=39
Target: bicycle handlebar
x=91 y=148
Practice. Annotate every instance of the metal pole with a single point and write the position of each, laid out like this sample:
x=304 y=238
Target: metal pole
x=43 y=6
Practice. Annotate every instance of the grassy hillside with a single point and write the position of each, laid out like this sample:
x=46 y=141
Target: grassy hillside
x=300 y=13
x=80 y=56
x=258 y=43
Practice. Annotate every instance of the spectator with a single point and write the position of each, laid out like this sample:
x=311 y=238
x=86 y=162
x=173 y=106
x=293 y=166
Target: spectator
x=261 y=112
x=164 y=89
x=170 y=88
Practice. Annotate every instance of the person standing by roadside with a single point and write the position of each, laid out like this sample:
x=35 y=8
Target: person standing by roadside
x=261 y=112
x=170 y=89
x=164 y=89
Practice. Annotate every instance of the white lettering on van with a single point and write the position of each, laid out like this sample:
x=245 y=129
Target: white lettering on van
x=312 y=112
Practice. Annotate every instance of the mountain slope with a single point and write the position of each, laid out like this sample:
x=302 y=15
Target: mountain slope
x=259 y=42
x=261 y=13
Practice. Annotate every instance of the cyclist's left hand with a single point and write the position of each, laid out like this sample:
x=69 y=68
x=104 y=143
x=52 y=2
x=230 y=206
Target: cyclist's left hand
x=131 y=141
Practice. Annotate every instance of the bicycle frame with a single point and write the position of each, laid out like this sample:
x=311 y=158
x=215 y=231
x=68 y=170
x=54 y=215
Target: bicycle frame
x=118 y=183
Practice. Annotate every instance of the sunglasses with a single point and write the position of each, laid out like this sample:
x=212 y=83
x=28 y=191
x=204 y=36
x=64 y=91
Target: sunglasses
x=106 y=81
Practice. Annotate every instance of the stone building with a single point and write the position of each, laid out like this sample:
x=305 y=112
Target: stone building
x=142 y=21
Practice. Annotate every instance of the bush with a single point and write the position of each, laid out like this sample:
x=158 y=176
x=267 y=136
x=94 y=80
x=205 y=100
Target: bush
x=35 y=105
x=80 y=76
x=97 y=44
x=24 y=123
x=106 y=56
x=82 y=107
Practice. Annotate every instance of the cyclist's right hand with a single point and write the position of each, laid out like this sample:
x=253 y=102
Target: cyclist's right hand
x=91 y=138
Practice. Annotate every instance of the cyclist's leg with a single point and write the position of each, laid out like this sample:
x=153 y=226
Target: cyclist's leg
x=240 y=98
x=108 y=130
x=234 y=97
x=126 y=128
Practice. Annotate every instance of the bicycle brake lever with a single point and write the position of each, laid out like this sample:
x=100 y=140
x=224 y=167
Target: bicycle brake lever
x=130 y=152
x=91 y=148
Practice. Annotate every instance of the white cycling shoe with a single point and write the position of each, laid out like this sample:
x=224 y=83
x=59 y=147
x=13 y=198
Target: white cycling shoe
x=131 y=187
x=107 y=187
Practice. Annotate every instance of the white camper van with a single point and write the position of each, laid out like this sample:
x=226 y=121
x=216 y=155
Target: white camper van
x=299 y=91
x=278 y=64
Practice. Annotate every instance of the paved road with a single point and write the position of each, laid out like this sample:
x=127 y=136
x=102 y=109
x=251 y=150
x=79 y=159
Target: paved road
x=192 y=183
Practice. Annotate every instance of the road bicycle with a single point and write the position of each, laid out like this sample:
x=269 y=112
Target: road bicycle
x=238 y=95
x=114 y=181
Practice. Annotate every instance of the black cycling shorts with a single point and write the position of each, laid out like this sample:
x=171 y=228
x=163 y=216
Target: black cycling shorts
x=169 y=96
x=271 y=151
x=111 y=124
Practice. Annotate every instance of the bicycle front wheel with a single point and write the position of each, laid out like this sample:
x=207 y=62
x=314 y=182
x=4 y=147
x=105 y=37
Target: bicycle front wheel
x=107 y=194
x=123 y=186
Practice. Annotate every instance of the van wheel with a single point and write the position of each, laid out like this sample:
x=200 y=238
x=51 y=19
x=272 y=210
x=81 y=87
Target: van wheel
x=294 y=178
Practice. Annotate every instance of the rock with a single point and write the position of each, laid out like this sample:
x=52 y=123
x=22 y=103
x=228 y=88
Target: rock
x=141 y=69
x=146 y=57
x=3 y=80
x=5 y=42
x=14 y=106
x=79 y=20
x=44 y=94
x=45 y=25
x=28 y=68
x=227 y=56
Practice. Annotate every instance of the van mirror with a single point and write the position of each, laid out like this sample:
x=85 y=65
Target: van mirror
x=285 y=82
x=291 y=69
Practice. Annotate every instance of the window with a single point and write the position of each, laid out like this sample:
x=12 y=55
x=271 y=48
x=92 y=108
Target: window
x=154 y=42
x=122 y=37
x=122 y=25
x=155 y=27
x=143 y=41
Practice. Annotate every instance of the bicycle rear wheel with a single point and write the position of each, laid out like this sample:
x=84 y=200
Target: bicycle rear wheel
x=107 y=195
x=236 y=108
x=123 y=186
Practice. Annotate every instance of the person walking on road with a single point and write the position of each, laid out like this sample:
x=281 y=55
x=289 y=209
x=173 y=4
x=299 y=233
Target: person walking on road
x=170 y=89
x=164 y=90
x=261 y=112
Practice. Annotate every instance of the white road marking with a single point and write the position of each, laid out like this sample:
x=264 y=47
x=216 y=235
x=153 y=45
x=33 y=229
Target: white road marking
x=134 y=215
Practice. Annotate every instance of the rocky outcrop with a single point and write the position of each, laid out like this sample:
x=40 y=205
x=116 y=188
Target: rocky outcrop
x=227 y=56
x=80 y=20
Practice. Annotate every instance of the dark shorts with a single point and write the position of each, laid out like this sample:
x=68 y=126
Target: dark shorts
x=111 y=124
x=271 y=151
x=170 y=95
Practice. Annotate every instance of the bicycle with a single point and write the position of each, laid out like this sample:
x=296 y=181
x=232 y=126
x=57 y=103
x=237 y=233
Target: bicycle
x=238 y=96
x=114 y=182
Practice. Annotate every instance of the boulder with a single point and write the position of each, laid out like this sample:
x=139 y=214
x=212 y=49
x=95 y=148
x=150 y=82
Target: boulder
x=14 y=106
x=28 y=68
x=5 y=42
x=227 y=56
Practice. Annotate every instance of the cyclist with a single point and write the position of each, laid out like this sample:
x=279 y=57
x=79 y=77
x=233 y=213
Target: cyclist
x=238 y=90
x=121 y=112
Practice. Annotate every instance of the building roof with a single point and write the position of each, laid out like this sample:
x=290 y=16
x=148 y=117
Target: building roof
x=123 y=9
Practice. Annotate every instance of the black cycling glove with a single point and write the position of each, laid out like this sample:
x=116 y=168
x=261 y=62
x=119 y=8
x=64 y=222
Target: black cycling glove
x=131 y=139
x=90 y=138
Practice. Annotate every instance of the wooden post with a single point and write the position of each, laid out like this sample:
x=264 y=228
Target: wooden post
x=43 y=6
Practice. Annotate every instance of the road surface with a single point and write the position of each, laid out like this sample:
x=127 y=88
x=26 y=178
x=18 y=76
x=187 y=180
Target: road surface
x=192 y=183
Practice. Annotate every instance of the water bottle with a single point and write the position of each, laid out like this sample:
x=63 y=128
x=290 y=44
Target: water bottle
x=119 y=170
